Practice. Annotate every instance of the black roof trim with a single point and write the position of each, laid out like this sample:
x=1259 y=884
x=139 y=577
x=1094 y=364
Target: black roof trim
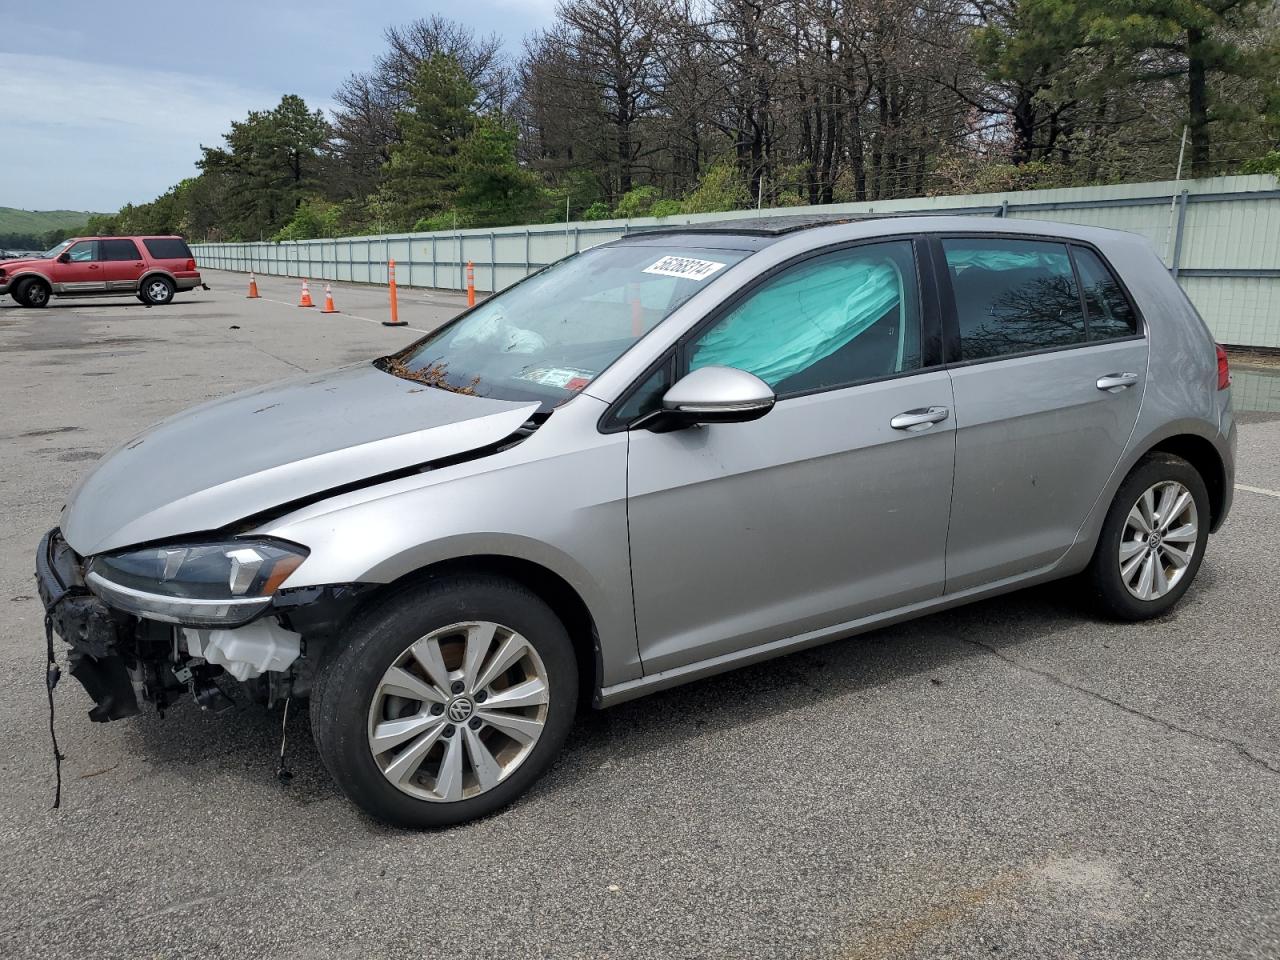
x=755 y=226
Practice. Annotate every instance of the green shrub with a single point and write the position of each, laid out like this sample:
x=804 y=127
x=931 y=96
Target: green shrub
x=637 y=202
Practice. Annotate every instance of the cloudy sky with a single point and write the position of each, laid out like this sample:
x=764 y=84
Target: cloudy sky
x=108 y=103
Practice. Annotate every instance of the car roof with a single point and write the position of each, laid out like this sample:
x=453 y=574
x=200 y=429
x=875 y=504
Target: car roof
x=755 y=233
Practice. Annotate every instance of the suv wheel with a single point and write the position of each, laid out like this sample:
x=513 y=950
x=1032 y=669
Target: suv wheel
x=32 y=293
x=157 y=291
x=447 y=702
x=1153 y=539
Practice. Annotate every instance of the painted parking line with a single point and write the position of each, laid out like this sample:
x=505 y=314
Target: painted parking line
x=340 y=313
x=1262 y=490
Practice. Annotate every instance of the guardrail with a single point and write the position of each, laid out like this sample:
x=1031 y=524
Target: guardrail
x=1220 y=237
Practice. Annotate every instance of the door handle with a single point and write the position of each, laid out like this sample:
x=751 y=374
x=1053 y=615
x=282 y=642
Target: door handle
x=920 y=419
x=1115 y=382
x=93 y=266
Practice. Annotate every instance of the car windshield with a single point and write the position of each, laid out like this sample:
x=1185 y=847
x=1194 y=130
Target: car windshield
x=50 y=254
x=548 y=337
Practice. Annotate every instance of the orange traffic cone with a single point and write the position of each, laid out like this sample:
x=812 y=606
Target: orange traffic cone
x=328 y=301
x=305 y=299
x=253 y=288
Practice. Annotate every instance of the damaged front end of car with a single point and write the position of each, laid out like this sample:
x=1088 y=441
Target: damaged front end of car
x=150 y=625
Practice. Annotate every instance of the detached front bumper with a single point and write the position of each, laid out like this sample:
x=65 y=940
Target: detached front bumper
x=99 y=637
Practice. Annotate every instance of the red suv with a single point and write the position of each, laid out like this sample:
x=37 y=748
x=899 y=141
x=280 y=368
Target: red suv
x=151 y=268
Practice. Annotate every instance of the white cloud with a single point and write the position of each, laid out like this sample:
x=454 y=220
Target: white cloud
x=92 y=136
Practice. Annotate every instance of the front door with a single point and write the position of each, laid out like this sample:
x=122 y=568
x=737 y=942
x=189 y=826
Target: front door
x=121 y=265
x=82 y=272
x=832 y=507
x=1047 y=390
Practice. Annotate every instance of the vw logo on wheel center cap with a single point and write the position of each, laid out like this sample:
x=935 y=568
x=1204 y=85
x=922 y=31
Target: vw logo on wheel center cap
x=460 y=708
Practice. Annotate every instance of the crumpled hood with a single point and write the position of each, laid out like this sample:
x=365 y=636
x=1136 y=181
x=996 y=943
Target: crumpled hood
x=239 y=455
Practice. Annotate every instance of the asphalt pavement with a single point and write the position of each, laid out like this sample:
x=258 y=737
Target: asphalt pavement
x=1011 y=779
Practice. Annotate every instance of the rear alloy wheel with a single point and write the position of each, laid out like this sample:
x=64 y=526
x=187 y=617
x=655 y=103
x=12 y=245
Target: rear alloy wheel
x=33 y=293
x=1153 y=539
x=157 y=291
x=447 y=701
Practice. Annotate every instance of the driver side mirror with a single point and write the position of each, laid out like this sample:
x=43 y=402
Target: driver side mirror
x=713 y=395
x=64 y=258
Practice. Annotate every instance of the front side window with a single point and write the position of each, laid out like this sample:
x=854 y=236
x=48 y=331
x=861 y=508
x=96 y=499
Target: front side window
x=83 y=252
x=1013 y=296
x=837 y=319
x=548 y=337
x=119 y=250
x=1110 y=314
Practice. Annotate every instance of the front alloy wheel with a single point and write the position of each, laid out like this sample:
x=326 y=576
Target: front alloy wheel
x=458 y=711
x=446 y=700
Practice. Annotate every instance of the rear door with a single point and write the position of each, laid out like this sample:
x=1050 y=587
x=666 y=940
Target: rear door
x=122 y=263
x=82 y=273
x=1049 y=366
x=833 y=506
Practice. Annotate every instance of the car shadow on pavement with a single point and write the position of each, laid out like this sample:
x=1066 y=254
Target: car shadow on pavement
x=246 y=739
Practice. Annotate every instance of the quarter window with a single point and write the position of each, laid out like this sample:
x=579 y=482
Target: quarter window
x=1013 y=296
x=837 y=319
x=167 y=248
x=119 y=250
x=1110 y=314
x=85 y=251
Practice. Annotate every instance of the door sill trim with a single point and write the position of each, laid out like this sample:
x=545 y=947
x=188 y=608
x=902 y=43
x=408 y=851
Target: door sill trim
x=676 y=676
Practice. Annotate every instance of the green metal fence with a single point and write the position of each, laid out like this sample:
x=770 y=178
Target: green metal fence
x=1219 y=236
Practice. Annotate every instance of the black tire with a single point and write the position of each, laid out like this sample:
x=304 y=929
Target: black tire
x=156 y=291
x=32 y=293
x=1111 y=596
x=349 y=681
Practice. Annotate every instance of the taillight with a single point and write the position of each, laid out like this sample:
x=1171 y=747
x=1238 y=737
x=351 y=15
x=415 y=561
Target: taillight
x=191 y=264
x=1224 y=369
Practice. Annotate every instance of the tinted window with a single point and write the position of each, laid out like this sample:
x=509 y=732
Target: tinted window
x=83 y=252
x=837 y=319
x=1013 y=296
x=1110 y=313
x=168 y=248
x=119 y=250
x=647 y=397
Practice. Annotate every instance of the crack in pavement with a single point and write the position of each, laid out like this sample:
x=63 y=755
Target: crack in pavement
x=1245 y=753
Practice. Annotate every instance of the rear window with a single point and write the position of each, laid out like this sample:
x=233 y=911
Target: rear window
x=168 y=248
x=119 y=250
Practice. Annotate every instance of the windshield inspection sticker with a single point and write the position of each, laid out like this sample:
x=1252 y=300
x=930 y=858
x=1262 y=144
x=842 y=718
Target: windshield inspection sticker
x=566 y=378
x=685 y=268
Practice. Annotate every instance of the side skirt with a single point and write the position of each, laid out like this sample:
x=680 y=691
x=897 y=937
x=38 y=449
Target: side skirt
x=633 y=689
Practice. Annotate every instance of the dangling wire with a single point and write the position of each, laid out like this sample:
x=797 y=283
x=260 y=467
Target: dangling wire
x=282 y=772
x=53 y=673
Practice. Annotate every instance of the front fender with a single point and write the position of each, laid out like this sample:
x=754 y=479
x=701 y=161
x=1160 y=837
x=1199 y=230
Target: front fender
x=562 y=509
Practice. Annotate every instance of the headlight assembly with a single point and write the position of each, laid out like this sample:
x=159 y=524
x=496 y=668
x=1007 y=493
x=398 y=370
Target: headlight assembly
x=204 y=584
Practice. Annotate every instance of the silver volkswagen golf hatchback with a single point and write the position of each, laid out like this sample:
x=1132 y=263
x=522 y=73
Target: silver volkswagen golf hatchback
x=658 y=459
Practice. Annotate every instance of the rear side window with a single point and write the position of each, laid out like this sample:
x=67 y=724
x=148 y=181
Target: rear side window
x=1111 y=315
x=119 y=250
x=1013 y=296
x=168 y=248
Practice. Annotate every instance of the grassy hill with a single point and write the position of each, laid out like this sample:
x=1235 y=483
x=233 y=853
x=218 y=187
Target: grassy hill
x=40 y=221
